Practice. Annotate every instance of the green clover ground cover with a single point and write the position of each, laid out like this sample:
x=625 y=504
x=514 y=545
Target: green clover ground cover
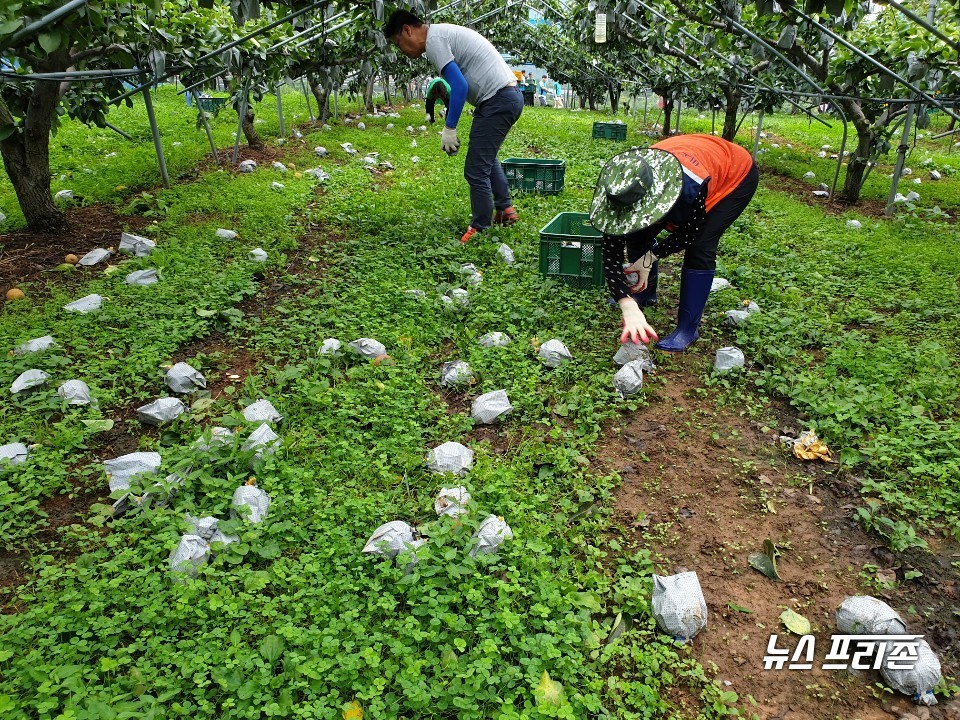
x=293 y=621
x=120 y=350
x=100 y=166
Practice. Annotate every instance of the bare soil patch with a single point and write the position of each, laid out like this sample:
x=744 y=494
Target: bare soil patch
x=27 y=256
x=262 y=156
x=803 y=191
x=704 y=486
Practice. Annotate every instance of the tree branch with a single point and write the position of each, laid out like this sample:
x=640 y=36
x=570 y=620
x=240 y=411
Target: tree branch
x=97 y=52
x=6 y=117
x=690 y=15
x=692 y=62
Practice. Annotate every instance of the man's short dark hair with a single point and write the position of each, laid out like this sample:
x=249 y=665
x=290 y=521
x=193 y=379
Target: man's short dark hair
x=397 y=20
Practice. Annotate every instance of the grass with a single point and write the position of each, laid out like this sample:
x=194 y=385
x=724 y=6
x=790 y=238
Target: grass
x=292 y=620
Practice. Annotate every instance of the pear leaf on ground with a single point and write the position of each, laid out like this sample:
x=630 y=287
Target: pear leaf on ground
x=766 y=561
x=794 y=622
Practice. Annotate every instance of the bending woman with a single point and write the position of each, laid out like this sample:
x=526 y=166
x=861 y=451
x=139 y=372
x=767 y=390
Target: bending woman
x=691 y=186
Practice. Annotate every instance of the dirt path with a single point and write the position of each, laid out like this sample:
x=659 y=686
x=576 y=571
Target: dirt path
x=704 y=486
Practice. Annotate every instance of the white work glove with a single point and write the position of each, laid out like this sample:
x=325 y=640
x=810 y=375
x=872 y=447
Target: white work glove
x=449 y=142
x=642 y=268
x=636 y=329
x=429 y=118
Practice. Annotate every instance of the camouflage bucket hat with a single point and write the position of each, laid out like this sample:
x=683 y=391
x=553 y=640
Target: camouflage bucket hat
x=635 y=190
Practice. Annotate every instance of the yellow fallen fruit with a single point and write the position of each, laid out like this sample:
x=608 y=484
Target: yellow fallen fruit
x=72 y=259
x=298 y=174
x=809 y=447
x=120 y=188
x=15 y=294
x=353 y=710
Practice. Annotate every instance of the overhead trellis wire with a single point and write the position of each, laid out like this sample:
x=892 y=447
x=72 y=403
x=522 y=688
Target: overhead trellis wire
x=232 y=44
x=878 y=65
x=745 y=72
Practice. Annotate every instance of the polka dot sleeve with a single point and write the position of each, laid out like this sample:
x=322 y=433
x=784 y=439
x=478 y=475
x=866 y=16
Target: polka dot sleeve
x=683 y=236
x=613 y=247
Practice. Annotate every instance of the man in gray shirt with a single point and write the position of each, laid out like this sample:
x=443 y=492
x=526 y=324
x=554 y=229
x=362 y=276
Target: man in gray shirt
x=476 y=74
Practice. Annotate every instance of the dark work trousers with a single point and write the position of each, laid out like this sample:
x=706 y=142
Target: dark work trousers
x=492 y=120
x=702 y=252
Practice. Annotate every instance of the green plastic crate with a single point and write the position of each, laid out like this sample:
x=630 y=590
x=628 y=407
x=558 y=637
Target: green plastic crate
x=211 y=104
x=571 y=250
x=534 y=175
x=610 y=131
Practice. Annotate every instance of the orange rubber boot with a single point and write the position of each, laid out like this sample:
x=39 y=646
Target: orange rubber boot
x=471 y=231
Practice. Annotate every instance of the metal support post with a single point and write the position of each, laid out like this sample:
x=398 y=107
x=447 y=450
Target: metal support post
x=242 y=114
x=679 y=109
x=756 y=140
x=280 y=110
x=901 y=159
x=907 y=129
x=157 y=145
x=118 y=131
x=336 y=106
x=206 y=127
x=306 y=96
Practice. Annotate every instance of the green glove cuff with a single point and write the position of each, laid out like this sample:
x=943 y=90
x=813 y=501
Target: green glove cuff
x=441 y=81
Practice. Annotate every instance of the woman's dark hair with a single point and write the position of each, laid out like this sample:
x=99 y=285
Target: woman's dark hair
x=397 y=20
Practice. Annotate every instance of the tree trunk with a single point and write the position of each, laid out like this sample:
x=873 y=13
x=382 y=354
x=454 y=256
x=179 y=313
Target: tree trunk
x=857 y=165
x=386 y=90
x=249 y=131
x=405 y=90
x=583 y=100
x=614 y=98
x=667 y=112
x=732 y=96
x=860 y=157
x=368 y=95
x=592 y=100
x=322 y=96
x=26 y=158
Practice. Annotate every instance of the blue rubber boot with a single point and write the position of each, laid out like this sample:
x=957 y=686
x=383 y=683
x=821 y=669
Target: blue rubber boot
x=694 y=289
x=648 y=296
